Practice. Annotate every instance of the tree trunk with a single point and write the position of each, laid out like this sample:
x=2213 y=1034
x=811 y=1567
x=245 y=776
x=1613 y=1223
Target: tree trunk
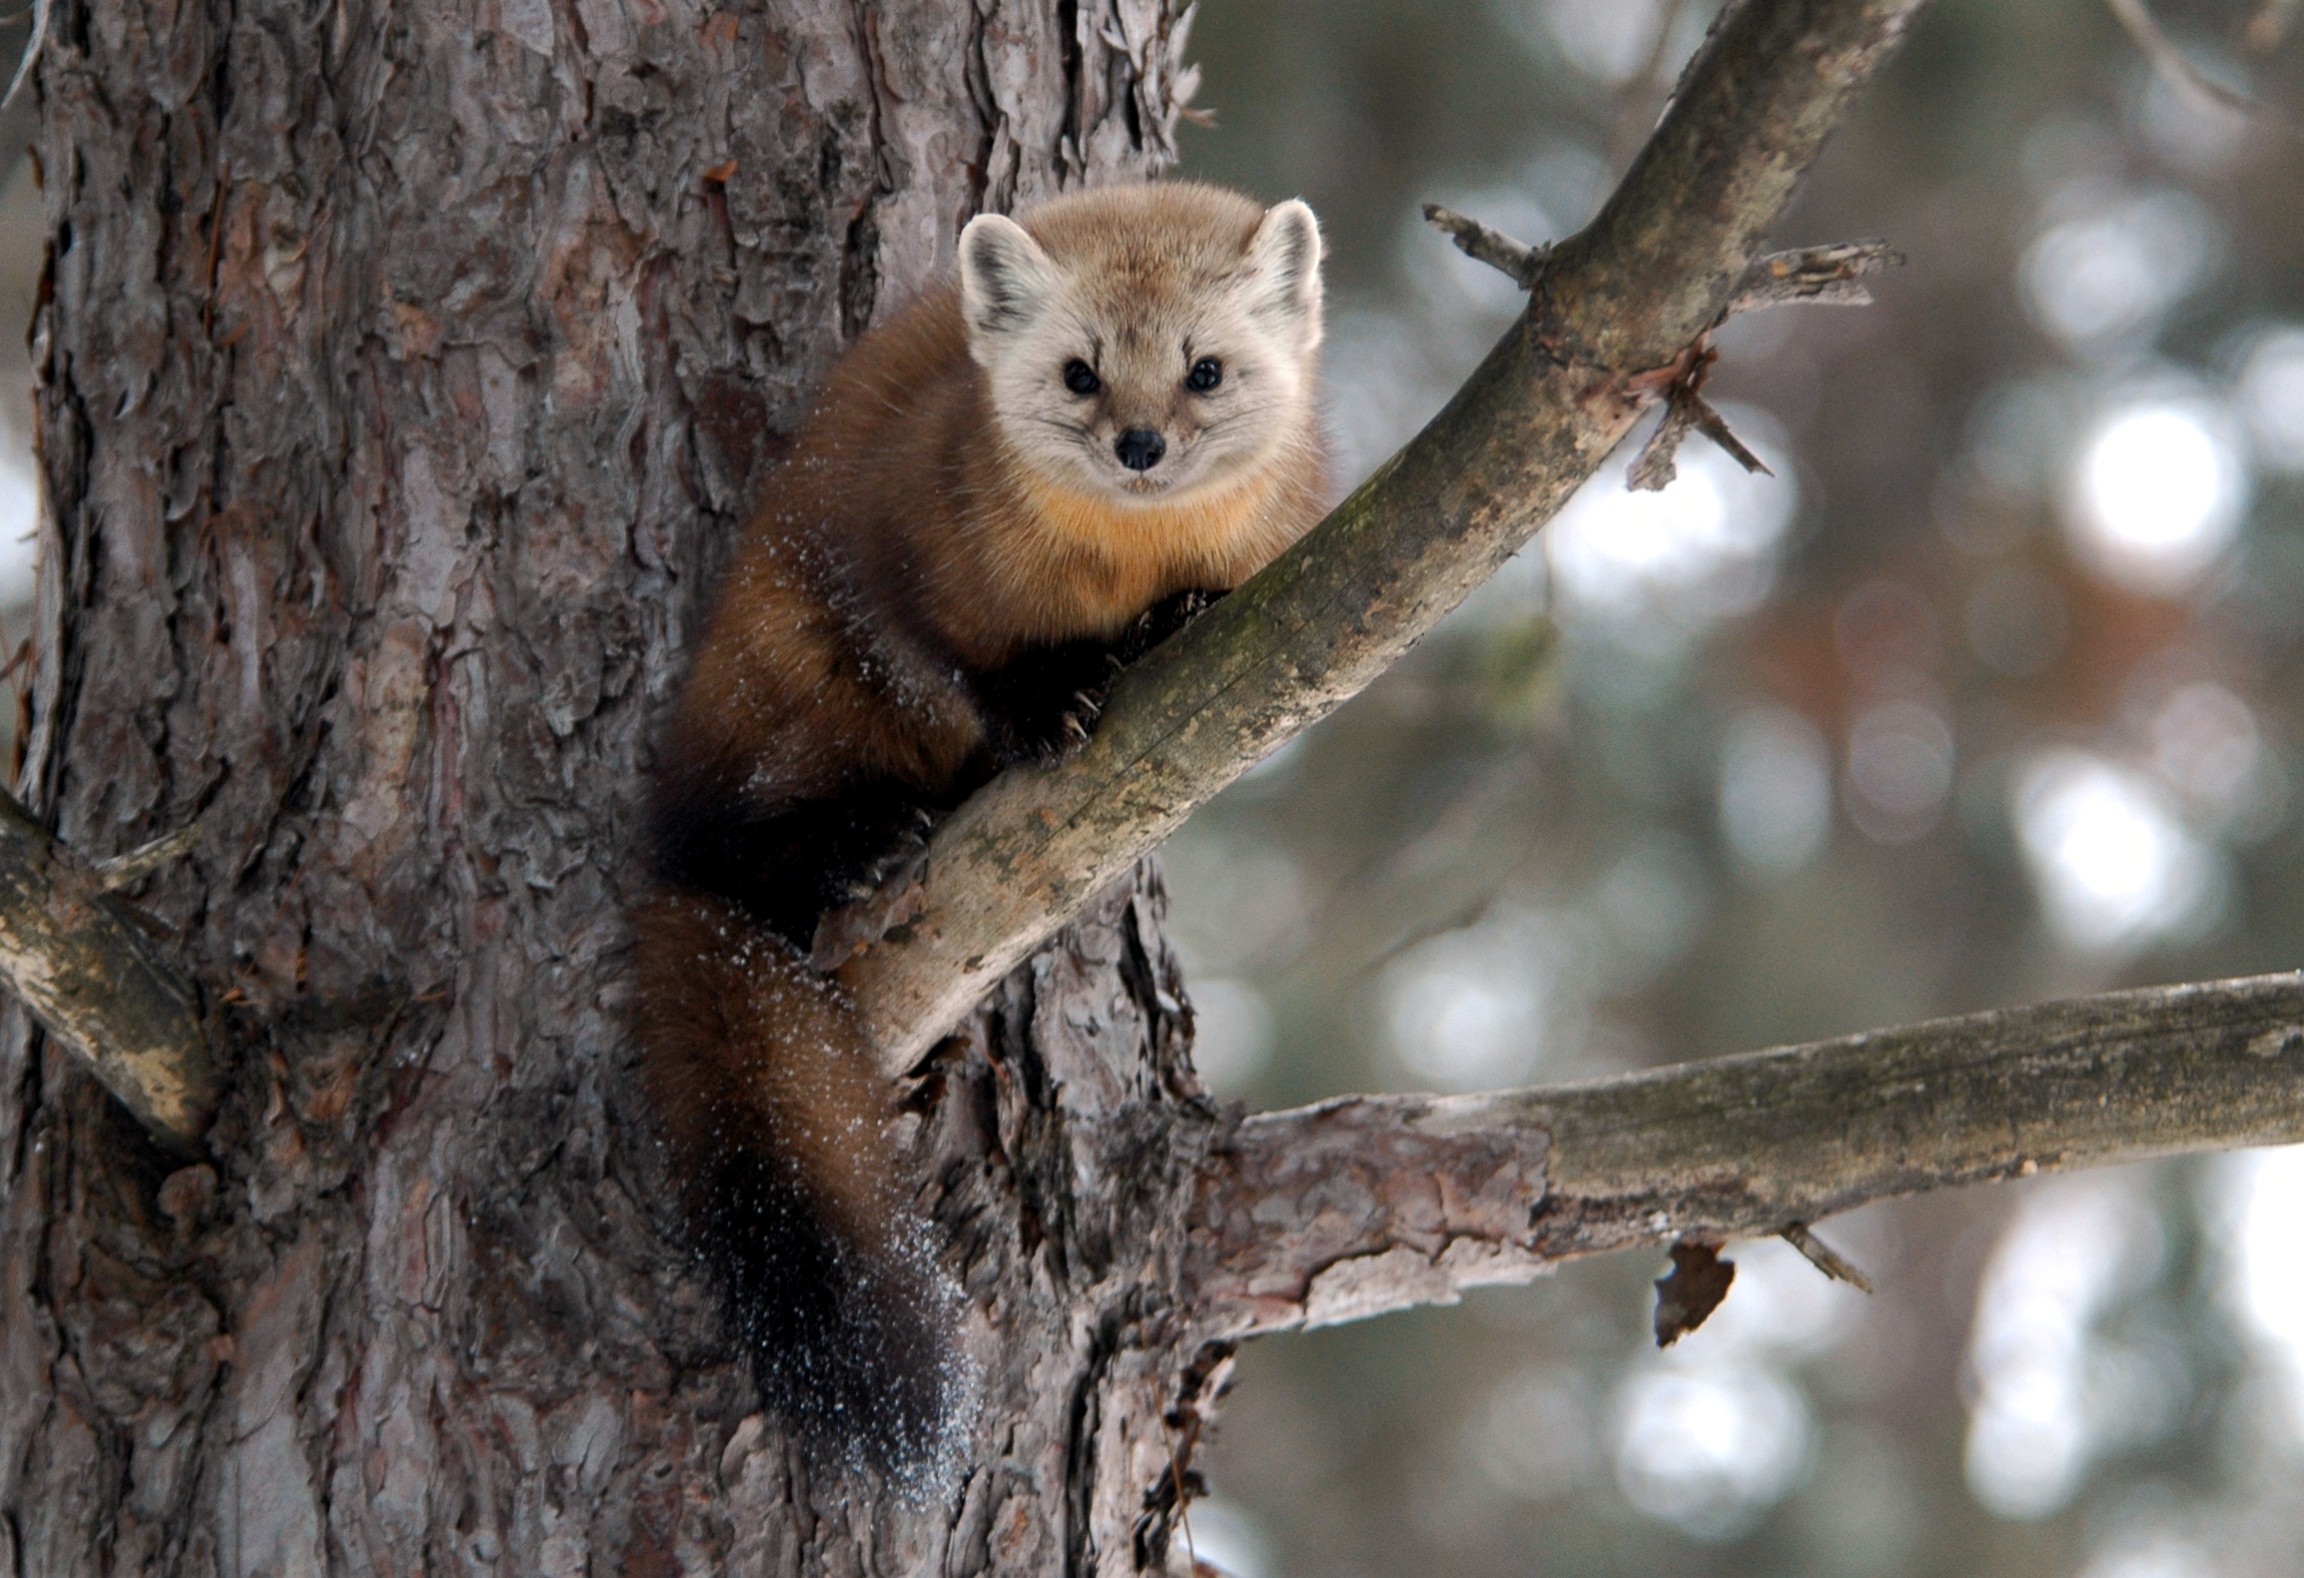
x=404 y=372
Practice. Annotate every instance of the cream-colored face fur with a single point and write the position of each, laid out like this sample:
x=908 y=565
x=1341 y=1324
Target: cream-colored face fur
x=1129 y=322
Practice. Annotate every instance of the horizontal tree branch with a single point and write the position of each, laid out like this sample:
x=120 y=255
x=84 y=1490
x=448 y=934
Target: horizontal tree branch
x=97 y=982
x=1374 y=1203
x=1612 y=316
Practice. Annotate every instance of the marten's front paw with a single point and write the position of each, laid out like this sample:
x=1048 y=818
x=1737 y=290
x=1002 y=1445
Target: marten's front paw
x=906 y=841
x=1044 y=705
x=1163 y=619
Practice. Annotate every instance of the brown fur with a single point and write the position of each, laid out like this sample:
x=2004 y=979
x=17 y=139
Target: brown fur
x=919 y=599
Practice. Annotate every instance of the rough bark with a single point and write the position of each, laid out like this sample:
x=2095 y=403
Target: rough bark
x=403 y=376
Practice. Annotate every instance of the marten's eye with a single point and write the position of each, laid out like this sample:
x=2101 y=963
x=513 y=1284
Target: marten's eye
x=1081 y=378
x=1205 y=375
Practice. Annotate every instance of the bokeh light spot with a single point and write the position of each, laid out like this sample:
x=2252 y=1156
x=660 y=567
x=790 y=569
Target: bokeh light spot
x=1775 y=791
x=2272 y=397
x=1900 y=759
x=2113 y=271
x=19 y=526
x=2074 y=1246
x=1227 y=1537
x=1469 y=1009
x=2205 y=742
x=2112 y=861
x=1609 y=40
x=2155 y=497
x=2260 y=1199
x=1231 y=1034
x=1709 y=1451
x=1534 y=1435
x=1658 y=565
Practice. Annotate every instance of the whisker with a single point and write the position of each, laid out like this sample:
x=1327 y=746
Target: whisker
x=1234 y=418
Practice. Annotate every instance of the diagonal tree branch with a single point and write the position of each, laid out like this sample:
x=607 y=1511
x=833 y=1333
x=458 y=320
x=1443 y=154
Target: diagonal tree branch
x=97 y=982
x=1373 y=1203
x=1611 y=317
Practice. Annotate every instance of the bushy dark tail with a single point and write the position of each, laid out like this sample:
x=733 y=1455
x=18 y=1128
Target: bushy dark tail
x=775 y=1118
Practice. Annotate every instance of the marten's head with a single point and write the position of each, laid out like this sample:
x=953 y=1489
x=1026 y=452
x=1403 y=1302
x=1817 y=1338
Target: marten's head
x=1145 y=342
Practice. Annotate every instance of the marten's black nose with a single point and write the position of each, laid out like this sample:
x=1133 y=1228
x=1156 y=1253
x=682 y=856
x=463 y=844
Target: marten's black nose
x=1140 y=448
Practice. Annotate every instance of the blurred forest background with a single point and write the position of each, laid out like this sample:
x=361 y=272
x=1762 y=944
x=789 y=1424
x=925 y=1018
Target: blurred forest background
x=1990 y=695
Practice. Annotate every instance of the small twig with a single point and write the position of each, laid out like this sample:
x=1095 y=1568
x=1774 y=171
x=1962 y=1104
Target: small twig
x=1714 y=426
x=1183 y=1502
x=1657 y=463
x=1824 y=1257
x=31 y=51
x=1827 y=276
x=1464 y=918
x=1370 y=886
x=1687 y=411
x=114 y=872
x=1492 y=247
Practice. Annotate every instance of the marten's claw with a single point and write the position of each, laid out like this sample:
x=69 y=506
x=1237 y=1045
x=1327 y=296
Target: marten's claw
x=1164 y=619
x=871 y=911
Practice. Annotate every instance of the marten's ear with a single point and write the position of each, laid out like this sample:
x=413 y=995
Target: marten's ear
x=1006 y=281
x=1285 y=255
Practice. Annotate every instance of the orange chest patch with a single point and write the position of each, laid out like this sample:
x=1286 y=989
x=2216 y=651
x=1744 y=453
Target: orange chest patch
x=1124 y=556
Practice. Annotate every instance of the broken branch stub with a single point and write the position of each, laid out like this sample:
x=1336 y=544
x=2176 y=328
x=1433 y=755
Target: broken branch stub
x=1514 y=259
x=1658 y=463
x=115 y=872
x=1824 y=1257
x=98 y=983
x=1827 y=276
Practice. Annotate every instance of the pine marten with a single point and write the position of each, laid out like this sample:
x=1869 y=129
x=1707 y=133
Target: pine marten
x=1110 y=414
